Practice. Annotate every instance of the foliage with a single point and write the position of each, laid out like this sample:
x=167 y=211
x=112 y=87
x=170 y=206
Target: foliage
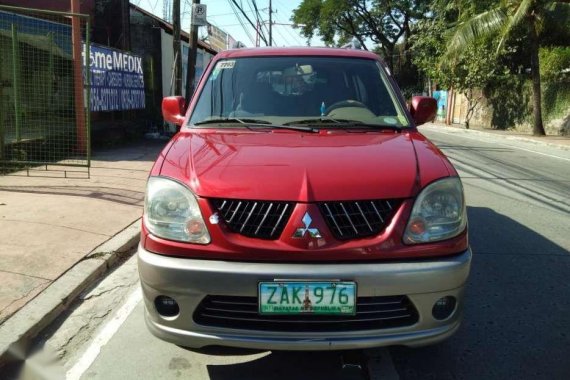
x=471 y=70
x=475 y=69
x=337 y=21
x=556 y=100
x=501 y=21
x=428 y=45
x=555 y=63
x=509 y=96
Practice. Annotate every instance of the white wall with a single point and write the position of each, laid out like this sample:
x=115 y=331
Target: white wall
x=168 y=58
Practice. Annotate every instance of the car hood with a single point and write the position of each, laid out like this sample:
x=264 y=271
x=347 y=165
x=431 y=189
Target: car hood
x=295 y=166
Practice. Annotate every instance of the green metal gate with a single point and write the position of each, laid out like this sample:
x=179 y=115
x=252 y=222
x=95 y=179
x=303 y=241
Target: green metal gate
x=44 y=121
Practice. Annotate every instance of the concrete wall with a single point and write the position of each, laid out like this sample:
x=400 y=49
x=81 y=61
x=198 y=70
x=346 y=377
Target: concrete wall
x=484 y=113
x=202 y=60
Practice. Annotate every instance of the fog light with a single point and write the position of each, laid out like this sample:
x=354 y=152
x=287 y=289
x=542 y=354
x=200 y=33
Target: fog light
x=417 y=227
x=443 y=308
x=166 y=306
x=195 y=228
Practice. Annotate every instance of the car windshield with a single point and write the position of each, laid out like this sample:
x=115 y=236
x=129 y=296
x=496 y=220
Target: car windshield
x=308 y=90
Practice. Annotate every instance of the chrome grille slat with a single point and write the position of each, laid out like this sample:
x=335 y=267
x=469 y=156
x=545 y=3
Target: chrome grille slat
x=264 y=217
x=254 y=310
x=377 y=212
x=242 y=313
x=306 y=320
x=279 y=220
x=363 y=216
x=358 y=219
x=383 y=311
x=333 y=218
x=235 y=303
x=348 y=217
x=381 y=303
x=248 y=216
x=234 y=213
x=257 y=219
x=230 y=310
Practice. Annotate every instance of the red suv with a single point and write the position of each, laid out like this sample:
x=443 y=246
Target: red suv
x=299 y=208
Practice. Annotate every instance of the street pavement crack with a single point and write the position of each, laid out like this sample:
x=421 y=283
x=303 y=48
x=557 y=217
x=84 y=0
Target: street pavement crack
x=106 y=291
x=2 y=319
x=55 y=225
x=61 y=348
x=26 y=275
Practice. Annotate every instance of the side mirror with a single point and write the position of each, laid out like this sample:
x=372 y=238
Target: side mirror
x=423 y=109
x=173 y=109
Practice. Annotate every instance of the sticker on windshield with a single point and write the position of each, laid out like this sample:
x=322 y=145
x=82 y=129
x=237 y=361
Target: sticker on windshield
x=390 y=120
x=225 y=65
x=222 y=65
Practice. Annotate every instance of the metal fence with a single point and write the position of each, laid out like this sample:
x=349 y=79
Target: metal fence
x=44 y=122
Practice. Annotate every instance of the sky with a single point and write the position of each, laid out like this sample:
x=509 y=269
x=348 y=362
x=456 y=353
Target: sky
x=220 y=14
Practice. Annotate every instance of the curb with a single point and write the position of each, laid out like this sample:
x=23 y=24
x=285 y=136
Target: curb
x=503 y=136
x=17 y=333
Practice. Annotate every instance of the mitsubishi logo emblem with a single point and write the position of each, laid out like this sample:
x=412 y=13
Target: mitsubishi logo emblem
x=313 y=232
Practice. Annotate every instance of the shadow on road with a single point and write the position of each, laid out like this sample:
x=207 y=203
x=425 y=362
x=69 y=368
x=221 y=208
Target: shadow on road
x=286 y=366
x=517 y=310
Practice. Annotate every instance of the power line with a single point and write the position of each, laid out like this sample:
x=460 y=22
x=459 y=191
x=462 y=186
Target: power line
x=241 y=22
x=154 y=7
x=225 y=14
x=236 y=5
x=288 y=30
x=258 y=16
x=282 y=36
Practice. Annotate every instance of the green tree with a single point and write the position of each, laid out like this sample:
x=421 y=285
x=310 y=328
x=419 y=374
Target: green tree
x=502 y=21
x=385 y=23
x=468 y=72
x=472 y=72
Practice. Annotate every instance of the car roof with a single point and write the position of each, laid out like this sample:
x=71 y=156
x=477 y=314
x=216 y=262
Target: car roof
x=295 y=51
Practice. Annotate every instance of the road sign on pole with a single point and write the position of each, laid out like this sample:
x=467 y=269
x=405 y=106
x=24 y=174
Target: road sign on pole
x=199 y=15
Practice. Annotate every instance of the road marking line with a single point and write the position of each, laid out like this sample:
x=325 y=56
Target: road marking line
x=381 y=366
x=498 y=143
x=104 y=335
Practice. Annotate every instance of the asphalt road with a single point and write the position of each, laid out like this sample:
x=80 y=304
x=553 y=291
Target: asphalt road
x=517 y=315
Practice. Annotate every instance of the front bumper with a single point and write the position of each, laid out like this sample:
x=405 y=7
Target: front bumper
x=188 y=281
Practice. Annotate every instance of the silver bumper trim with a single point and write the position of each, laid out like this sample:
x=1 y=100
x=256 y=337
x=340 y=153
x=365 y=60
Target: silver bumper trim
x=188 y=281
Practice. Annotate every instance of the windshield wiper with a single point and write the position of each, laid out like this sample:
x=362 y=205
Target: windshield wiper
x=343 y=123
x=378 y=127
x=249 y=123
x=320 y=120
x=234 y=120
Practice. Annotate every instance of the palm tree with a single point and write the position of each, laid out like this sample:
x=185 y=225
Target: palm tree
x=503 y=19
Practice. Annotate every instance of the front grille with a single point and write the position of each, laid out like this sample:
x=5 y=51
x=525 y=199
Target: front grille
x=357 y=219
x=372 y=313
x=258 y=219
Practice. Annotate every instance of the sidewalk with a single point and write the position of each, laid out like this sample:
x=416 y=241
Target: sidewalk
x=47 y=225
x=559 y=142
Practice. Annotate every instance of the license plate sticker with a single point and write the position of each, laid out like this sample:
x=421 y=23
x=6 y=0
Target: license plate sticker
x=288 y=297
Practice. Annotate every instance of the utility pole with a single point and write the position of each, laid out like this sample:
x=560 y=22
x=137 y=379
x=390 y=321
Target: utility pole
x=258 y=26
x=177 y=47
x=191 y=70
x=77 y=75
x=270 y=24
x=244 y=14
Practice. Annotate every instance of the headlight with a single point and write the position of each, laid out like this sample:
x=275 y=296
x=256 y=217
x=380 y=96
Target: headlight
x=439 y=213
x=172 y=212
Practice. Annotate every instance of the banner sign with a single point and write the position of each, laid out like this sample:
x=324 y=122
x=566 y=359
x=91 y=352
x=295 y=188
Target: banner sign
x=117 y=80
x=217 y=38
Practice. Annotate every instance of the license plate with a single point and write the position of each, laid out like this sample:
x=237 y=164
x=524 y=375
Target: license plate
x=291 y=297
